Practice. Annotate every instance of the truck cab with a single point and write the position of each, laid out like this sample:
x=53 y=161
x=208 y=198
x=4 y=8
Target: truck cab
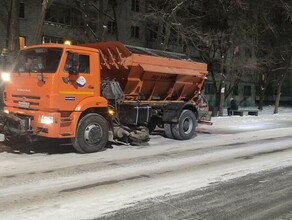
x=49 y=92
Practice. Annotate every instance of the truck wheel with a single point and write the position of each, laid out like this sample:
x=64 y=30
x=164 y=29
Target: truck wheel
x=185 y=128
x=92 y=134
x=167 y=130
x=151 y=125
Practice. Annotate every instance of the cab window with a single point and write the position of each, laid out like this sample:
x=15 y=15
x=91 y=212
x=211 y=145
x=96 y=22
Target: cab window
x=84 y=64
x=38 y=60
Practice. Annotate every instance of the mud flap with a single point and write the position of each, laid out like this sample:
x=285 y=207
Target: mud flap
x=204 y=117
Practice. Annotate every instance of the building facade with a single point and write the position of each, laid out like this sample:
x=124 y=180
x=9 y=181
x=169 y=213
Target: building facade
x=78 y=21
x=84 y=21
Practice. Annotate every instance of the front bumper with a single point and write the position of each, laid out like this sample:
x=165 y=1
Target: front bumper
x=31 y=123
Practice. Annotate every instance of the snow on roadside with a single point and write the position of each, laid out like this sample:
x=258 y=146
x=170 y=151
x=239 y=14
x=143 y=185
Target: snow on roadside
x=94 y=203
x=11 y=163
x=265 y=120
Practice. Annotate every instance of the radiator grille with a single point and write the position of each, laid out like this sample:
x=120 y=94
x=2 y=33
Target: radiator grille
x=26 y=102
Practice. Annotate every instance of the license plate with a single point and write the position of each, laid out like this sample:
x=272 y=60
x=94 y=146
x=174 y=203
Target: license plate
x=23 y=104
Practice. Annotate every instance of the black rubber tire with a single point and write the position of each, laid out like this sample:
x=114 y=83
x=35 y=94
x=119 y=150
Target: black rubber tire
x=186 y=126
x=167 y=130
x=91 y=134
x=151 y=126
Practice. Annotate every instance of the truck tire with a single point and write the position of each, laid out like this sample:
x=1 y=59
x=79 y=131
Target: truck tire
x=91 y=134
x=151 y=125
x=185 y=128
x=168 y=131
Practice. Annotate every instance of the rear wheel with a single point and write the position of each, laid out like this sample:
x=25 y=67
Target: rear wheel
x=167 y=130
x=185 y=128
x=92 y=134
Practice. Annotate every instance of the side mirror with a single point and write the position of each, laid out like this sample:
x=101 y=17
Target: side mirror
x=72 y=63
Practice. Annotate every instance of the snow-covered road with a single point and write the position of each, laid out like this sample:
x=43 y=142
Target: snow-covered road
x=74 y=186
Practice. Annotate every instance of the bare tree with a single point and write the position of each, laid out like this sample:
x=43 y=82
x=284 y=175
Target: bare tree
x=214 y=29
x=38 y=32
x=235 y=38
x=274 y=45
x=105 y=11
x=218 y=33
x=5 y=16
x=13 y=31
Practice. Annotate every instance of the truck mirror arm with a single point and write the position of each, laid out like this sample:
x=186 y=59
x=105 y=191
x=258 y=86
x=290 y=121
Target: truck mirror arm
x=65 y=79
x=41 y=77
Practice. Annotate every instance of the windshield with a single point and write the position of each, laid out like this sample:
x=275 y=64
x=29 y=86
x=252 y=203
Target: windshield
x=38 y=60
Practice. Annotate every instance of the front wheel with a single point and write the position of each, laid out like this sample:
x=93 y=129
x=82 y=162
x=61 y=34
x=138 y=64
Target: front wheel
x=152 y=125
x=91 y=134
x=185 y=128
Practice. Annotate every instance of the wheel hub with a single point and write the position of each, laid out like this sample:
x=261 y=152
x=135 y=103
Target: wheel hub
x=93 y=134
x=187 y=125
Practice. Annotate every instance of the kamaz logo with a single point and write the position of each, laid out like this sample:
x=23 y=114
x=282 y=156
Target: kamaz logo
x=23 y=90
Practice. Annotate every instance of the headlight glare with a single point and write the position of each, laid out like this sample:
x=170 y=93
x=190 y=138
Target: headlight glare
x=47 y=119
x=5 y=77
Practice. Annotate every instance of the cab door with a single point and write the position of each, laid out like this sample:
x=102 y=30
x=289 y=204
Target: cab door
x=73 y=88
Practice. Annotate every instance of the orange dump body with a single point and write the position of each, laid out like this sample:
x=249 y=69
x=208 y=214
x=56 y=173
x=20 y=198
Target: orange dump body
x=144 y=77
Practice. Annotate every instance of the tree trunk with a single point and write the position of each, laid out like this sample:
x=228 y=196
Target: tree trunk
x=262 y=91
x=279 y=88
x=114 y=8
x=277 y=100
x=261 y=101
x=166 y=36
x=38 y=31
x=222 y=87
x=160 y=34
x=101 y=20
x=13 y=32
x=222 y=98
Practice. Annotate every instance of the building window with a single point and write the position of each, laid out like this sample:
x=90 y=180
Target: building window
x=21 y=10
x=50 y=39
x=77 y=20
x=59 y=40
x=209 y=89
x=22 y=42
x=235 y=90
x=247 y=91
x=111 y=27
x=248 y=53
x=135 y=5
x=135 y=32
x=60 y=15
x=152 y=33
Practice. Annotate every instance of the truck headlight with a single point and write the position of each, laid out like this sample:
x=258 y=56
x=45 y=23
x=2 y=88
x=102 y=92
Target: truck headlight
x=5 y=77
x=47 y=119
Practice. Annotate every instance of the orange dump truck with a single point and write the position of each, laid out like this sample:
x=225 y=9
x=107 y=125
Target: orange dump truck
x=100 y=92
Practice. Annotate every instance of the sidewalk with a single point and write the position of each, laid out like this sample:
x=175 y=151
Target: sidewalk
x=234 y=124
